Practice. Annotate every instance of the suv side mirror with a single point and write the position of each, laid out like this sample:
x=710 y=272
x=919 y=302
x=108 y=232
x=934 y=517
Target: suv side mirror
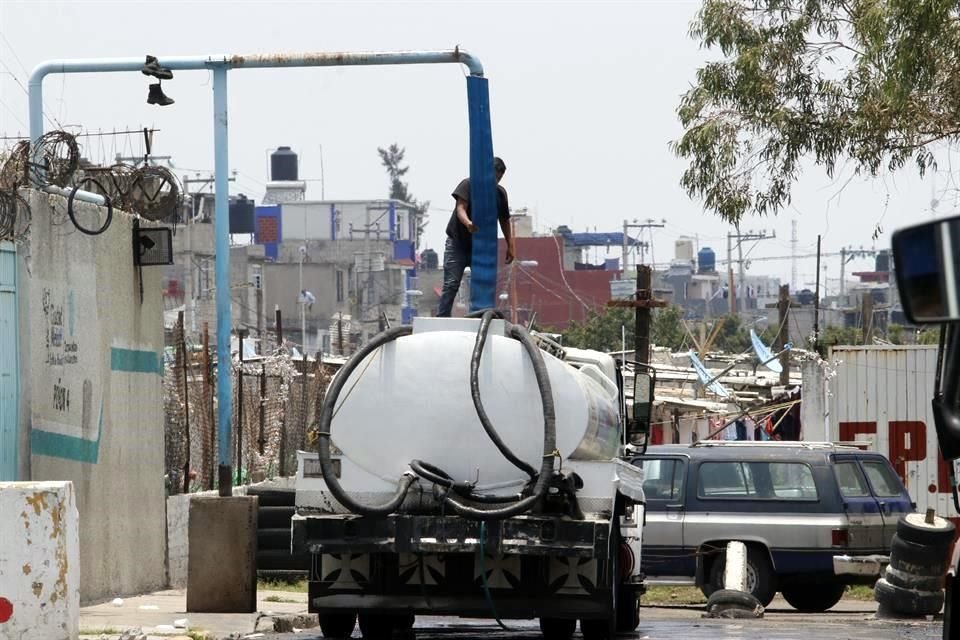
x=927 y=260
x=638 y=428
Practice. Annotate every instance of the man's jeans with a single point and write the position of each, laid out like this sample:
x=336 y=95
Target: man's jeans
x=454 y=262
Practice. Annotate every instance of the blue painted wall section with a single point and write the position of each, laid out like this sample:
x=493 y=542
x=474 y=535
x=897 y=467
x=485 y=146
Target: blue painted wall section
x=9 y=366
x=58 y=445
x=483 y=198
x=264 y=213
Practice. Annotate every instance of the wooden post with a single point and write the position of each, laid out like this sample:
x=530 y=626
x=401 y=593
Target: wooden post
x=279 y=326
x=783 y=336
x=242 y=334
x=816 y=305
x=261 y=440
x=641 y=337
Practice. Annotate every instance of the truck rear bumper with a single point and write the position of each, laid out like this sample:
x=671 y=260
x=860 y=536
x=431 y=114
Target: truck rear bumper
x=430 y=534
x=860 y=565
x=511 y=607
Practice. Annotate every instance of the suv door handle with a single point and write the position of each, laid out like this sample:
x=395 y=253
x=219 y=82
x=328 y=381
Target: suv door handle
x=674 y=506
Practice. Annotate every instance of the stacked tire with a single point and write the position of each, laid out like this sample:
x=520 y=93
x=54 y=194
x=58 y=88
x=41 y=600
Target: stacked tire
x=274 y=514
x=912 y=583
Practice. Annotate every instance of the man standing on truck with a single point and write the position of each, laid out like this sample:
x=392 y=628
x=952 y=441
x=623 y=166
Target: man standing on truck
x=459 y=247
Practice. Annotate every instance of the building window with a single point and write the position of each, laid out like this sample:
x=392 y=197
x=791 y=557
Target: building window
x=339 y=277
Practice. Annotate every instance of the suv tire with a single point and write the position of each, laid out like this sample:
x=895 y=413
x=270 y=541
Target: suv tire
x=758 y=565
x=811 y=598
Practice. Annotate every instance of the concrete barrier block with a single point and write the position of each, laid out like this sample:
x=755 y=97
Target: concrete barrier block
x=222 y=564
x=39 y=561
x=735 y=568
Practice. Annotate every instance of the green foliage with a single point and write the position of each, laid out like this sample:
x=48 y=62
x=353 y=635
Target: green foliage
x=930 y=335
x=601 y=330
x=869 y=84
x=667 y=328
x=392 y=160
x=896 y=334
x=833 y=335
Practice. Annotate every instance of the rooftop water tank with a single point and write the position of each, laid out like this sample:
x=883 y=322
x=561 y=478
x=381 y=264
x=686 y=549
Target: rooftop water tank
x=429 y=260
x=683 y=249
x=883 y=261
x=707 y=261
x=283 y=165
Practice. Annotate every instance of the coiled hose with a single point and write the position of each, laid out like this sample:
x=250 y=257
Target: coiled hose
x=515 y=504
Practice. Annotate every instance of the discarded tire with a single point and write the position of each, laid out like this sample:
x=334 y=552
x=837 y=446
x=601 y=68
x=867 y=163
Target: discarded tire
x=912 y=581
x=912 y=602
x=914 y=527
x=918 y=560
x=728 y=603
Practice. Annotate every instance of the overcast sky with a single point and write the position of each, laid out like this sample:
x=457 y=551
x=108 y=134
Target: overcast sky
x=583 y=98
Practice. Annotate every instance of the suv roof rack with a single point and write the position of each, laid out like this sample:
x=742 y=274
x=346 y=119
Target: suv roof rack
x=801 y=444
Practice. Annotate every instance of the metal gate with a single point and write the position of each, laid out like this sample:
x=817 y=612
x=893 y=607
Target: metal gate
x=9 y=363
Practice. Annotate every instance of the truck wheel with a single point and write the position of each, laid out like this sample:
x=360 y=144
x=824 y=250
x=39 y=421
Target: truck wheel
x=374 y=627
x=913 y=527
x=628 y=610
x=761 y=581
x=595 y=629
x=809 y=598
x=337 y=625
x=557 y=628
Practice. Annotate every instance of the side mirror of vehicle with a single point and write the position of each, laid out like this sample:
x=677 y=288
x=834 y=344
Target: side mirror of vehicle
x=638 y=428
x=927 y=261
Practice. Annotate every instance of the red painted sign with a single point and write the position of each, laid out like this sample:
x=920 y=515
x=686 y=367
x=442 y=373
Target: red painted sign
x=908 y=443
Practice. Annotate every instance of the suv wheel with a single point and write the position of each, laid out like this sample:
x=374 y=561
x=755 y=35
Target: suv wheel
x=761 y=581
x=810 y=598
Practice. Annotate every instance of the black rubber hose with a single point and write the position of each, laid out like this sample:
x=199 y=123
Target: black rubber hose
x=549 y=442
x=73 y=218
x=505 y=451
x=326 y=418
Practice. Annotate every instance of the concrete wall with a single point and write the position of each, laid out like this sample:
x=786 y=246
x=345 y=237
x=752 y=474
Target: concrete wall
x=178 y=538
x=95 y=382
x=39 y=558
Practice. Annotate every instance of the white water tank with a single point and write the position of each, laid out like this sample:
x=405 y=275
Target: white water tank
x=411 y=400
x=683 y=248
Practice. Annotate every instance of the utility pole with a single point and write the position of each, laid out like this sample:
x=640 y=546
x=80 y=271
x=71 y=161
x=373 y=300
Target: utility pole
x=846 y=255
x=641 y=336
x=648 y=224
x=783 y=335
x=279 y=325
x=740 y=238
x=816 y=304
x=793 y=254
x=867 y=317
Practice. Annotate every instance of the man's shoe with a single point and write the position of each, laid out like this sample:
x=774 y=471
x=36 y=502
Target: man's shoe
x=152 y=68
x=157 y=96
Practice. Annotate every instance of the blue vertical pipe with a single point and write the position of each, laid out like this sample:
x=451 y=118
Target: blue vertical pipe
x=221 y=233
x=483 y=197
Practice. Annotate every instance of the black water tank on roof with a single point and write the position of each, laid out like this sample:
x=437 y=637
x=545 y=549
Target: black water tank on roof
x=283 y=164
x=429 y=260
x=883 y=261
x=241 y=210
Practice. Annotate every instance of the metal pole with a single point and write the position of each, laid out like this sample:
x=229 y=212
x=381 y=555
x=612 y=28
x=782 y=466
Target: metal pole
x=303 y=309
x=731 y=294
x=783 y=336
x=221 y=232
x=261 y=440
x=816 y=304
x=242 y=333
x=208 y=438
x=279 y=325
x=641 y=340
x=182 y=347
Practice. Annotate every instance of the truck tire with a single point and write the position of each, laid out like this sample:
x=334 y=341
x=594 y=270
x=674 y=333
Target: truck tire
x=809 y=598
x=595 y=629
x=913 y=527
x=337 y=625
x=912 y=581
x=557 y=628
x=379 y=627
x=907 y=601
x=760 y=577
x=628 y=610
x=916 y=559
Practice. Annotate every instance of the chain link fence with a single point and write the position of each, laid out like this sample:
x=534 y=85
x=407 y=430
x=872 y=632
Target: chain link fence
x=280 y=399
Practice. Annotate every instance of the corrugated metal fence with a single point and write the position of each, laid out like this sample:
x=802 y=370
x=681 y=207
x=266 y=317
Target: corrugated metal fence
x=881 y=397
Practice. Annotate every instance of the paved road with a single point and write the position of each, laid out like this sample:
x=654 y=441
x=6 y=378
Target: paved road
x=853 y=622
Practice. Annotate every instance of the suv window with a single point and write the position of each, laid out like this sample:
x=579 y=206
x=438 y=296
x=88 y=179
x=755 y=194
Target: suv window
x=852 y=484
x=884 y=481
x=757 y=481
x=663 y=478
